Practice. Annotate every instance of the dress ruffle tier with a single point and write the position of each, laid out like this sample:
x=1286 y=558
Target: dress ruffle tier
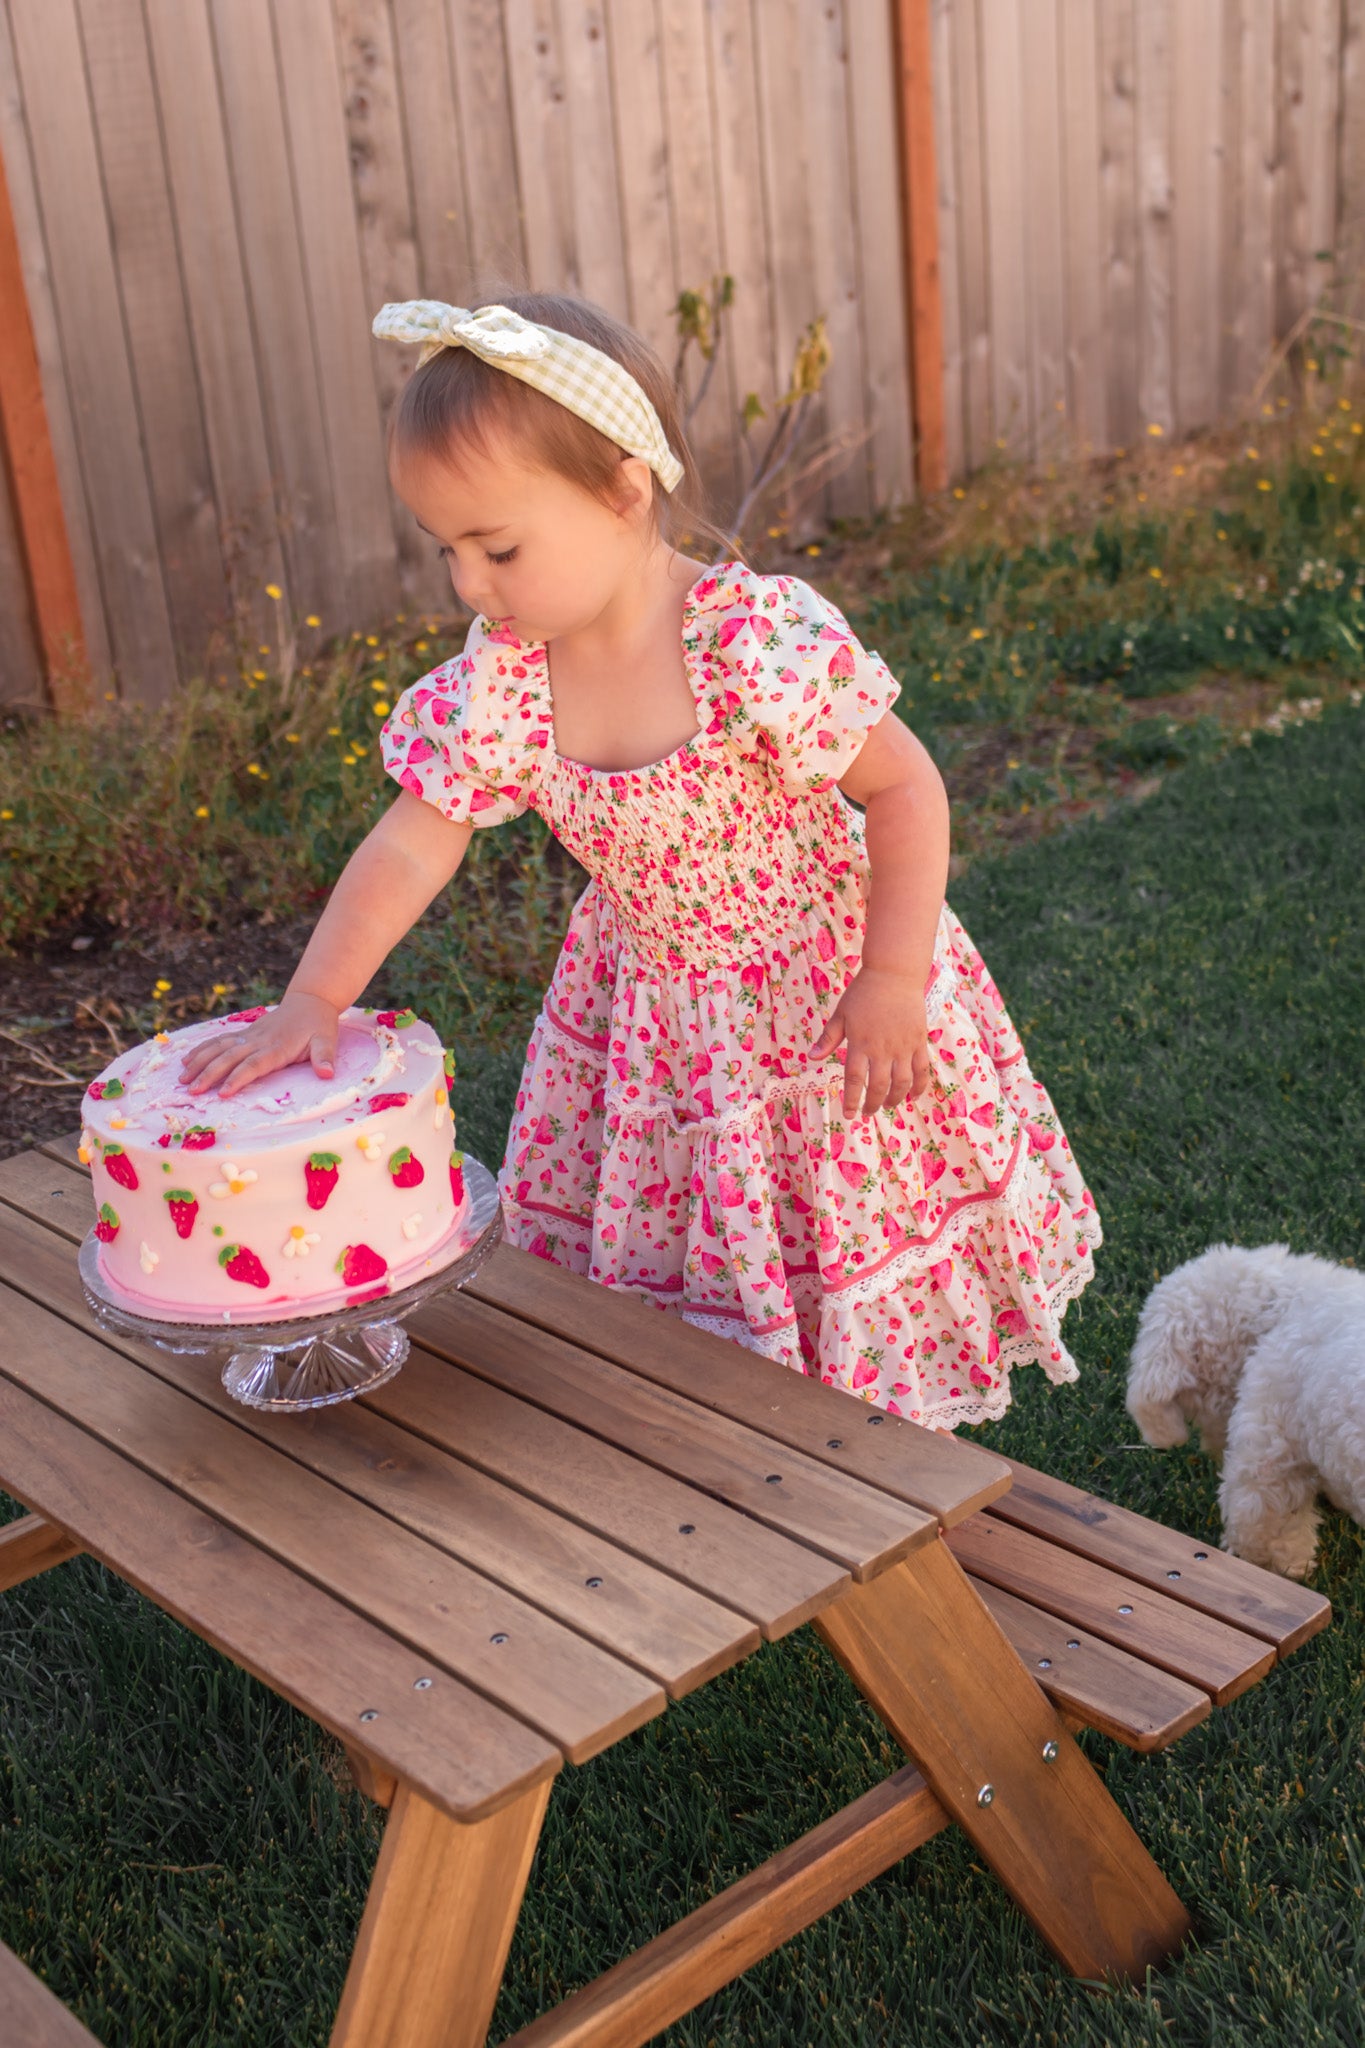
x=671 y=1135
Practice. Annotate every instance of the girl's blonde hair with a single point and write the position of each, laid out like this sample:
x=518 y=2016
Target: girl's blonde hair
x=457 y=400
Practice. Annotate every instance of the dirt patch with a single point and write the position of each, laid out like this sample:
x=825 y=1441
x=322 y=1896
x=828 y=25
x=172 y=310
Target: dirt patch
x=85 y=995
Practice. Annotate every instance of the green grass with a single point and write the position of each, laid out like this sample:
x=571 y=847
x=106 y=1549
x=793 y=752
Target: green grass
x=177 y=1858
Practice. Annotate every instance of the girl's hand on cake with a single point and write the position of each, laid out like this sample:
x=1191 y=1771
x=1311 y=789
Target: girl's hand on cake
x=882 y=1015
x=300 y=1027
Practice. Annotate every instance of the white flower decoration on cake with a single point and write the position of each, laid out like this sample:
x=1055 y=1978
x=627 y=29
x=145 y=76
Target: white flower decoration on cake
x=371 y=1143
x=235 y=1179
x=412 y=1224
x=148 y=1259
x=300 y=1242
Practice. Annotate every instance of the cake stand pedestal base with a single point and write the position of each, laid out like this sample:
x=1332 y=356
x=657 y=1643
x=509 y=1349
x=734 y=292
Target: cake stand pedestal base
x=301 y=1362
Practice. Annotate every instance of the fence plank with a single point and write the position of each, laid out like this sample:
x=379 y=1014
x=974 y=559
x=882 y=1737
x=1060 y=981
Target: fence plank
x=833 y=253
x=215 y=292
x=425 y=83
x=1198 y=145
x=1152 y=71
x=787 y=171
x=480 y=52
x=871 y=115
x=1003 y=124
x=977 y=340
x=642 y=160
x=601 y=269
x=1041 y=200
x=123 y=94
x=1309 y=51
x=23 y=199
x=311 y=81
x=85 y=288
x=699 y=255
x=1118 y=215
x=1252 y=180
x=21 y=668
x=388 y=242
x=749 y=338
x=1086 y=395
x=942 y=31
x=1351 y=162
x=271 y=263
x=540 y=123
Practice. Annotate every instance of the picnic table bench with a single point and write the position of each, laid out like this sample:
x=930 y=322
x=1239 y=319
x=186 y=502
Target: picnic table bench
x=562 y=1514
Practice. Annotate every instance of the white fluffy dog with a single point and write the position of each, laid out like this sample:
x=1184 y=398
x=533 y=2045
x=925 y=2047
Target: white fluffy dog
x=1265 y=1350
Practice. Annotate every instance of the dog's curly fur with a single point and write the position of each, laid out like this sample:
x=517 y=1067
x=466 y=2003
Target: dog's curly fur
x=1264 y=1350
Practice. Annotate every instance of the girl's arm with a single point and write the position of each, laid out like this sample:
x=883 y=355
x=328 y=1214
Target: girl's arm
x=395 y=872
x=882 y=1010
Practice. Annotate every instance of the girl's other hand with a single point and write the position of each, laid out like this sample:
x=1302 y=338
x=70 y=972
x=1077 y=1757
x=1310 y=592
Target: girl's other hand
x=882 y=1016
x=301 y=1027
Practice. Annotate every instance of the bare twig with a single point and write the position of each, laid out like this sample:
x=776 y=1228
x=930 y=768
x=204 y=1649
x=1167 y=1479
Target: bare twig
x=91 y=1011
x=69 y=1079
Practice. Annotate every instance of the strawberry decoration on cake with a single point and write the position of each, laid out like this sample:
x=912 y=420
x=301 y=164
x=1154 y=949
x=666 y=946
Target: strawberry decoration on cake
x=404 y=1170
x=120 y=1167
x=256 y=1163
x=240 y=1264
x=320 y=1171
x=183 y=1209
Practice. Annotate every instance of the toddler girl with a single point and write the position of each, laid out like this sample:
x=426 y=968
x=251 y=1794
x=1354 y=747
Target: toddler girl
x=910 y=1227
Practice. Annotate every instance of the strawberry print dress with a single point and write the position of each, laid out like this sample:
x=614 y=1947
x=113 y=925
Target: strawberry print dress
x=671 y=1136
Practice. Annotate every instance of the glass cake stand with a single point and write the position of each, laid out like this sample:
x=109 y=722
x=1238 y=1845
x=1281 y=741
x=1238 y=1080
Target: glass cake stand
x=300 y=1362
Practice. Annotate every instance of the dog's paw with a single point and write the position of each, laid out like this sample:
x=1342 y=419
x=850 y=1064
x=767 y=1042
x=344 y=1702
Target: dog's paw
x=1162 y=1423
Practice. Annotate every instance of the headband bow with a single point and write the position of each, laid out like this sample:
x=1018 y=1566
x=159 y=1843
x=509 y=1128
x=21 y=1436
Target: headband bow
x=574 y=373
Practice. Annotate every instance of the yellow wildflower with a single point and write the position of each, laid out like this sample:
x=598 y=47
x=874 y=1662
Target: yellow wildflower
x=381 y=709
x=1179 y=469
x=420 y=648
x=1345 y=404
x=958 y=492
x=1263 y=483
x=6 y=815
x=292 y=738
x=370 y=640
x=220 y=988
x=312 y=620
x=1154 y=428
x=1251 y=454
x=1156 y=573
x=253 y=767
x=273 y=590
x=259 y=674
x=334 y=732
x=162 y=987
x=977 y=633
x=201 y=810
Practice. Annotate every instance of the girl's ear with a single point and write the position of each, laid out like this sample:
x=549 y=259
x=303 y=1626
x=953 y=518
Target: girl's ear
x=635 y=490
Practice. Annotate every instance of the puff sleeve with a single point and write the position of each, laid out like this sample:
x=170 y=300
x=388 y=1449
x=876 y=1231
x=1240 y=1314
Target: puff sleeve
x=470 y=737
x=793 y=686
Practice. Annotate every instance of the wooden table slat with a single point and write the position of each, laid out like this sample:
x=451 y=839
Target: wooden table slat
x=466 y=1755
x=577 y=1576
x=728 y=1557
x=576 y=1694
x=1212 y=1580
x=34 y=2016
x=30 y=1546
x=1097 y=1684
x=1221 y=1661
x=949 y=1479
x=862 y=1529
x=776 y=1582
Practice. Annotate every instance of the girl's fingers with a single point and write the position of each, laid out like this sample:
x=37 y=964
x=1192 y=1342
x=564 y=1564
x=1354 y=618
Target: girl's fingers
x=878 y=1086
x=829 y=1037
x=855 y=1084
x=322 y=1051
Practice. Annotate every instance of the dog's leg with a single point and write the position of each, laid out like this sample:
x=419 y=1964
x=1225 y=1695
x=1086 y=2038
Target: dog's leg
x=1269 y=1492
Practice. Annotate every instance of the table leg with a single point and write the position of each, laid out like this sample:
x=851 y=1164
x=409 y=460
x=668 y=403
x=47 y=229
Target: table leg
x=920 y=1645
x=438 y=1923
x=30 y=1546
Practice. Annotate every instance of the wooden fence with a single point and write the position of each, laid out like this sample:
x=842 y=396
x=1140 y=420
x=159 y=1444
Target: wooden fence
x=213 y=196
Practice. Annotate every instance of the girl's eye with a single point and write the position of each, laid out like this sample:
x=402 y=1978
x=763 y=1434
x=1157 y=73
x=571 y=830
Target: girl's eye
x=500 y=559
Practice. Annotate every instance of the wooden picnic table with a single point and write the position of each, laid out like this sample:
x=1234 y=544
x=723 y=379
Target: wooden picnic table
x=567 y=1511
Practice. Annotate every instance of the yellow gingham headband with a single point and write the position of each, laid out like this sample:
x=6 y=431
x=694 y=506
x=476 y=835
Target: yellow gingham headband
x=595 y=386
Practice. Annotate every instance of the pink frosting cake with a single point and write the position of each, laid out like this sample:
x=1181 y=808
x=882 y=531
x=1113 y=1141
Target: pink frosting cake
x=295 y=1196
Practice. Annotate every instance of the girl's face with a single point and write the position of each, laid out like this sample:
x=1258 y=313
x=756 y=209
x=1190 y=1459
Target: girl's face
x=525 y=545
